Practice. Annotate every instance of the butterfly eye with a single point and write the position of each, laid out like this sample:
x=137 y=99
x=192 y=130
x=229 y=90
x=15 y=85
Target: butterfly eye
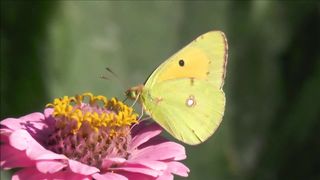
x=181 y=62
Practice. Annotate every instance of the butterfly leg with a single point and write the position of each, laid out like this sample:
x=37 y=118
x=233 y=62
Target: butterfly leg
x=144 y=119
x=141 y=114
x=135 y=101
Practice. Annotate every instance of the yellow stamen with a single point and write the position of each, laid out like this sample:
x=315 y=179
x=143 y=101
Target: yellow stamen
x=113 y=113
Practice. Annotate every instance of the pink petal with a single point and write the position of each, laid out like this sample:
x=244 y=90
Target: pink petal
x=4 y=135
x=81 y=168
x=12 y=158
x=40 y=130
x=22 y=140
x=162 y=151
x=32 y=117
x=144 y=135
x=156 y=165
x=134 y=176
x=50 y=121
x=178 y=169
x=138 y=127
x=12 y=123
x=50 y=166
x=35 y=123
x=107 y=162
x=137 y=169
x=48 y=112
x=38 y=125
x=49 y=155
x=34 y=174
x=165 y=176
x=20 y=123
x=109 y=176
x=154 y=141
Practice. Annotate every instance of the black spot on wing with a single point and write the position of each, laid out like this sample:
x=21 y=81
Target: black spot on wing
x=181 y=62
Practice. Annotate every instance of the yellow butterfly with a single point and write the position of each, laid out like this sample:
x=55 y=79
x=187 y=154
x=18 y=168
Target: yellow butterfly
x=184 y=94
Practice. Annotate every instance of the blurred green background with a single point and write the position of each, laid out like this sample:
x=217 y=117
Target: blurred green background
x=271 y=127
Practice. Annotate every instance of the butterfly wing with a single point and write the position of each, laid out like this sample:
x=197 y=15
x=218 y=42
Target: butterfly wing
x=197 y=70
x=204 y=58
x=189 y=109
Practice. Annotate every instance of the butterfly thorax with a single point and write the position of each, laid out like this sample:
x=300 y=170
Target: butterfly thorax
x=134 y=92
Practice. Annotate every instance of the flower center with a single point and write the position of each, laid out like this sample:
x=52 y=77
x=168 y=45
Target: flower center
x=91 y=131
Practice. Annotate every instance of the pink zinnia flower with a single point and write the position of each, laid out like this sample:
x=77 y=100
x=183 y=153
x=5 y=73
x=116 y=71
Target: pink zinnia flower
x=98 y=139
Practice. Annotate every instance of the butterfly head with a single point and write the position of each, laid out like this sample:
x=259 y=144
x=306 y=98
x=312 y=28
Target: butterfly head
x=134 y=92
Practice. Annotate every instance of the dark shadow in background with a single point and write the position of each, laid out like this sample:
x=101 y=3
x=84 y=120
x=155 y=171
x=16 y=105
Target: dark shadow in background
x=292 y=144
x=23 y=28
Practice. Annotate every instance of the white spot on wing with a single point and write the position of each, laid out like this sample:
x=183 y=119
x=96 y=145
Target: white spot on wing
x=190 y=102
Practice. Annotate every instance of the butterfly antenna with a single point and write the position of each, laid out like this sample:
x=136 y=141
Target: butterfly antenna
x=113 y=73
x=108 y=76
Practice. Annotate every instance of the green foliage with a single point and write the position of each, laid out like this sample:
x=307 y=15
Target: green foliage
x=271 y=125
